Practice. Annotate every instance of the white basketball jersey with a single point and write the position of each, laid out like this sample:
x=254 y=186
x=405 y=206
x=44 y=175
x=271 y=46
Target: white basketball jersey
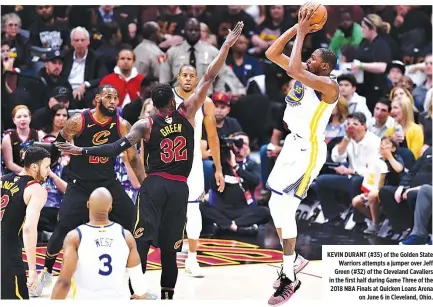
x=197 y=127
x=101 y=269
x=306 y=114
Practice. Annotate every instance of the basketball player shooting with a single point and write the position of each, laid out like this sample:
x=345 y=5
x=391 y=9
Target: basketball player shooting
x=309 y=107
x=169 y=151
x=99 y=255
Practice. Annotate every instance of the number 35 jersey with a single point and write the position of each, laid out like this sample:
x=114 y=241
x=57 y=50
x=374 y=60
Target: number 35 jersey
x=170 y=150
x=102 y=258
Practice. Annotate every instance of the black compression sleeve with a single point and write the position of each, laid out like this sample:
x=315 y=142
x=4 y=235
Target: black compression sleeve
x=107 y=150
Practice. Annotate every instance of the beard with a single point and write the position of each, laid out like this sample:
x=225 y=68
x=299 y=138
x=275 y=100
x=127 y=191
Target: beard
x=104 y=110
x=346 y=31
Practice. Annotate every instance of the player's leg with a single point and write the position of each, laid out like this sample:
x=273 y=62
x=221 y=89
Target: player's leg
x=171 y=235
x=72 y=213
x=13 y=283
x=123 y=211
x=194 y=217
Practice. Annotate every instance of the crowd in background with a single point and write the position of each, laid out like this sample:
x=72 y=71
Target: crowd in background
x=54 y=57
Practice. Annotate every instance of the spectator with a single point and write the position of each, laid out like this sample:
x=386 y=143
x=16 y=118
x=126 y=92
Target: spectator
x=226 y=126
x=356 y=103
x=41 y=118
x=11 y=25
x=396 y=71
x=382 y=121
x=405 y=132
x=8 y=58
x=111 y=41
x=125 y=78
x=201 y=13
x=206 y=35
x=358 y=147
x=58 y=117
x=47 y=32
x=422 y=217
x=275 y=23
x=111 y=13
x=348 y=33
x=148 y=55
x=419 y=93
x=406 y=83
x=192 y=51
x=372 y=54
x=171 y=22
x=398 y=202
x=16 y=141
x=234 y=209
x=425 y=121
x=126 y=176
x=336 y=125
x=244 y=66
x=387 y=171
x=82 y=68
x=132 y=111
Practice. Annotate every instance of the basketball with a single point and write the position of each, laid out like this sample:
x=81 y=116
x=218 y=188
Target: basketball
x=320 y=15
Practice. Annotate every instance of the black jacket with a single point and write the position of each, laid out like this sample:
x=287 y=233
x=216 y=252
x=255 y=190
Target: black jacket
x=420 y=173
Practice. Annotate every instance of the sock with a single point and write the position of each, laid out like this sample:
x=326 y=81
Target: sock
x=192 y=256
x=167 y=294
x=288 y=266
x=49 y=263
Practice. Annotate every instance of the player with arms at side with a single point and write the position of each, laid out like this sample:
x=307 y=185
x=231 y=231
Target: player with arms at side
x=169 y=150
x=92 y=128
x=309 y=107
x=100 y=255
x=22 y=198
x=187 y=80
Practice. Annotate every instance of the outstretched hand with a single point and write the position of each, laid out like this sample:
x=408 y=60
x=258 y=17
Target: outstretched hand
x=234 y=34
x=304 y=23
x=68 y=148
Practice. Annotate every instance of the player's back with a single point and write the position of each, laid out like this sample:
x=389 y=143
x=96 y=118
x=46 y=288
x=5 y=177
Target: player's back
x=102 y=258
x=199 y=116
x=13 y=213
x=93 y=133
x=170 y=150
x=306 y=113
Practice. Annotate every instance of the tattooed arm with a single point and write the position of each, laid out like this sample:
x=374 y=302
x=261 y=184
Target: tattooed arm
x=131 y=153
x=140 y=130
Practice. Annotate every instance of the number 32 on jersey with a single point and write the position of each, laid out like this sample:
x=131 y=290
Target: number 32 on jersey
x=173 y=150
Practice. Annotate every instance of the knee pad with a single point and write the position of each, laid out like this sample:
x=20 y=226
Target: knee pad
x=276 y=203
x=193 y=222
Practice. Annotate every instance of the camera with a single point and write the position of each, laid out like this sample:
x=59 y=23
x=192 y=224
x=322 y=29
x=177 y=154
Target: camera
x=227 y=144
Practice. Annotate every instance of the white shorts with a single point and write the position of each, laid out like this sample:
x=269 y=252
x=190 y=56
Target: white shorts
x=196 y=180
x=297 y=165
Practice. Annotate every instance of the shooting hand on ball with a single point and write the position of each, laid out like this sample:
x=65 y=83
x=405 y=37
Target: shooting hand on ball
x=304 y=23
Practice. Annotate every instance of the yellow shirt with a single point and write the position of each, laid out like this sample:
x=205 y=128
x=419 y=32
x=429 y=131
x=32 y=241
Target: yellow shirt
x=414 y=138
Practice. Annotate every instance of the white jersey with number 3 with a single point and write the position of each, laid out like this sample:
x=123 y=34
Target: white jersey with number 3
x=196 y=177
x=101 y=269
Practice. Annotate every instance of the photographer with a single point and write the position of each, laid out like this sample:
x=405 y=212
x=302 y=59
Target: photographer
x=235 y=209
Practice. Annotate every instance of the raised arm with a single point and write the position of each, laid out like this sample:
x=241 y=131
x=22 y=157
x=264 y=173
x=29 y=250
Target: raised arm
x=195 y=101
x=213 y=140
x=131 y=153
x=137 y=132
x=70 y=260
x=296 y=69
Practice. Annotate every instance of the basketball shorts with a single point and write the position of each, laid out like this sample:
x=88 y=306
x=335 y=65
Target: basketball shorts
x=13 y=274
x=196 y=180
x=161 y=212
x=297 y=165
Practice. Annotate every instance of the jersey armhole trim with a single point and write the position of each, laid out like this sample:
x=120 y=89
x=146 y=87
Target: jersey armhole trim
x=79 y=233
x=181 y=112
x=31 y=182
x=83 y=124
x=118 y=125
x=123 y=232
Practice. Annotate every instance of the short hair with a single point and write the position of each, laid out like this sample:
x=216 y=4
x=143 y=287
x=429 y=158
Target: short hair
x=394 y=143
x=102 y=87
x=149 y=29
x=161 y=95
x=358 y=116
x=349 y=78
x=35 y=154
x=80 y=30
x=186 y=65
x=328 y=56
x=385 y=101
x=126 y=47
